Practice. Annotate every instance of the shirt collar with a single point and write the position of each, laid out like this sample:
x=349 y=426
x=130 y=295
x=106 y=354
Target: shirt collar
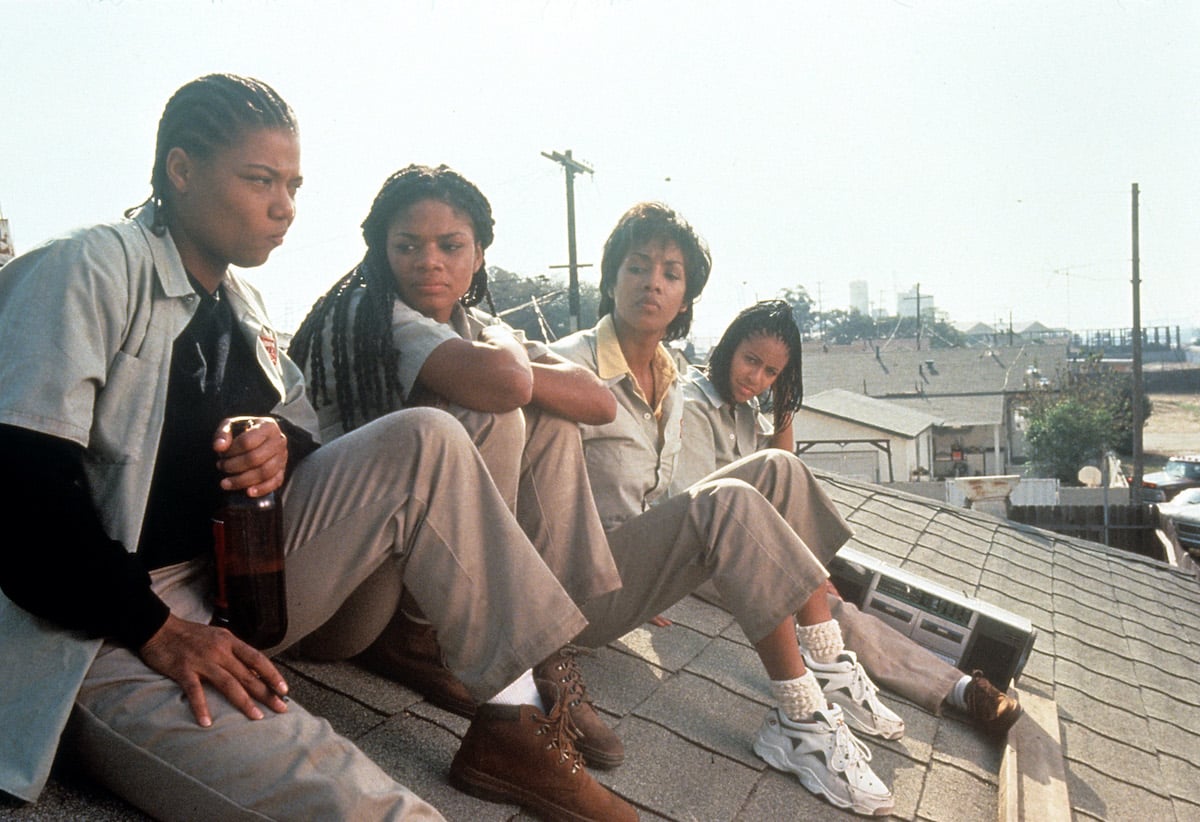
x=611 y=363
x=706 y=386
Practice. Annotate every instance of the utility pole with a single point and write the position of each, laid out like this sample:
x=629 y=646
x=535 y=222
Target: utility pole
x=918 y=316
x=572 y=167
x=1135 y=490
x=820 y=313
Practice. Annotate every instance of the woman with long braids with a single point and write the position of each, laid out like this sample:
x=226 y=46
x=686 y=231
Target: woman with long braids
x=127 y=348
x=759 y=355
x=401 y=329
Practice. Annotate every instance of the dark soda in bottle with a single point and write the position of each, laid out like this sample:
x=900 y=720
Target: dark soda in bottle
x=248 y=557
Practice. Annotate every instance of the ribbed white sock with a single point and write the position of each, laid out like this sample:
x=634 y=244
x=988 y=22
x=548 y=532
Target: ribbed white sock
x=958 y=694
x=799 y=697
x=521 y=691
x=822 y=642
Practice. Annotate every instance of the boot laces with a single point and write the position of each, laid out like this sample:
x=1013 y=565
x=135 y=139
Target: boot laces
x=558 y=725
x=570 y=677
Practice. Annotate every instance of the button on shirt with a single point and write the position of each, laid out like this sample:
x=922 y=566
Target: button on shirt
x=630 y=460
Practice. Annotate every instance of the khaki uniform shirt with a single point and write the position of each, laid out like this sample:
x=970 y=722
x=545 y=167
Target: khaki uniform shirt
x=415 y=337
x=630 y=460
x=87 y=323
x=715 y=432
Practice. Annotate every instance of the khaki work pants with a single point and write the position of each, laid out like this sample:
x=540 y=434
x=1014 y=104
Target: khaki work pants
x=893 y=660
x=536 y=460
x=405 y=500
x=761 y=529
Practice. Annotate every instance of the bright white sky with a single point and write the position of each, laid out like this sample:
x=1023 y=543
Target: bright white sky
x=985 y=150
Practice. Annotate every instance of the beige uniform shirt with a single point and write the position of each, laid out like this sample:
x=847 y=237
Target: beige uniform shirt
x=715 y=432
x=415 y=337
x=630 y=460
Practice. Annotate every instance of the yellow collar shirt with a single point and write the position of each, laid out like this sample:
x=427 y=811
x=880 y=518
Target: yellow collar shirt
x=631 y=459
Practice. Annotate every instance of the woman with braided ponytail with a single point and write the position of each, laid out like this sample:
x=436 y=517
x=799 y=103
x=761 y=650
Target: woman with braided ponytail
x=128 y=347
x=402 y=329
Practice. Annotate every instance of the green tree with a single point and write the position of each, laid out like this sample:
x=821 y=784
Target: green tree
x=943 y=335
x=1094 y=383
x=1105 y=395
x=842 y=327
x=1067 y=435
x=513 y=295
x=802 y=308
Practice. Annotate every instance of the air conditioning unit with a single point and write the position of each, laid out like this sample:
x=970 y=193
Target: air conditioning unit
x=968 y=633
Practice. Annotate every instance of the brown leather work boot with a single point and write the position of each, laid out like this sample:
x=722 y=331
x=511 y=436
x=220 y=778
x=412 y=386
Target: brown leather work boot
x=993 y=711
x=515 y=753
x=599 y=744
x=408 y=652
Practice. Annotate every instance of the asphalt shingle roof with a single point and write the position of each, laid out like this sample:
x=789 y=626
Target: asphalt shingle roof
x=905 y=372
x=882 y=415
x=1116 y=652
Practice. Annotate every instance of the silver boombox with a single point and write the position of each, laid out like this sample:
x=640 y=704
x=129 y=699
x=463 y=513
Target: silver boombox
x=966 y=632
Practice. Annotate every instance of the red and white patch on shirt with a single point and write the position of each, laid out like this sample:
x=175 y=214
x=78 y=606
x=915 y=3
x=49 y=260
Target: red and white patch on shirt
x=267 y=338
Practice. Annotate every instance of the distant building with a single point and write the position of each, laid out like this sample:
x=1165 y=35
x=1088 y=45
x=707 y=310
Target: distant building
x=859 y=299
x=910 y=302
x=859 y=436
x=971 y=396
x=6 y=244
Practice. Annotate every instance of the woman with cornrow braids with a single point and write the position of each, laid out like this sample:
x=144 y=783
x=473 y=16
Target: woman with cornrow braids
x=128 y=347
x=401 y=329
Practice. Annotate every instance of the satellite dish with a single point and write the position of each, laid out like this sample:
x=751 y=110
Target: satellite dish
x=1089 y=475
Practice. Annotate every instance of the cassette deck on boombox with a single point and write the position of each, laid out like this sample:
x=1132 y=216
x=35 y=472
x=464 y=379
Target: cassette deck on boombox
x=966 y=632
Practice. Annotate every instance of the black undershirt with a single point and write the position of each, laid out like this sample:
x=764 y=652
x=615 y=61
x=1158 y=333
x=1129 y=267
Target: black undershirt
x=213 y=376
x=66 y=569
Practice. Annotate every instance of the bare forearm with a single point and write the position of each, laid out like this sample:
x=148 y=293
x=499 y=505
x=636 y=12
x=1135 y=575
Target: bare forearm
x=493 y=374
x=569 y=391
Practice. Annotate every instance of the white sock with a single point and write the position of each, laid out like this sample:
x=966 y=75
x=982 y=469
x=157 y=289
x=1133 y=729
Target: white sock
x=798 y=698
x=822 y=642
x=958 y=694
x=418 y=620
x=521 y=691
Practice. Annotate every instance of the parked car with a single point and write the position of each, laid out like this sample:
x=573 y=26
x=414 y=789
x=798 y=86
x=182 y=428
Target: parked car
x=1184 y=513
x=1179 y=473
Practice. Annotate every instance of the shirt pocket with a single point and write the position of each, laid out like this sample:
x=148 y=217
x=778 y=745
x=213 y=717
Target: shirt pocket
x=128 y=407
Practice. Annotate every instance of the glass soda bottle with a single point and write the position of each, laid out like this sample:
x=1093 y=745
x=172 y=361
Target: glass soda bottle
x=248 y=557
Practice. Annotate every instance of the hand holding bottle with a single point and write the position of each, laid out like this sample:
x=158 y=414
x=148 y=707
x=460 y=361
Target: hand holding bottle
x=256 y=460
x=250 y=597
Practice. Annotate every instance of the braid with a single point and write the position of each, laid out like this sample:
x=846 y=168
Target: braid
x=772 y=318
x=358 y=309
x=208 y=114
x=415 y=183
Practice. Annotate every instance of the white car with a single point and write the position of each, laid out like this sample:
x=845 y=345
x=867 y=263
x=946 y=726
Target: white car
x=1184 y=511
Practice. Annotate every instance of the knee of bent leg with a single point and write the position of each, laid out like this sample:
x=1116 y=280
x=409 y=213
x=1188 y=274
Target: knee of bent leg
x=730 y=492
x=412 y=426
x=503 y=430
x=782 y=463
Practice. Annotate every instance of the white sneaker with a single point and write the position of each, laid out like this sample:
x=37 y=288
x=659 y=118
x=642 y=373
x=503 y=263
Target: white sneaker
x=845 y=683
x=827 y=758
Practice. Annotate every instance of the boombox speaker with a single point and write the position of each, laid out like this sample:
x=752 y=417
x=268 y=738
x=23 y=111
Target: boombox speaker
x=966 y=632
